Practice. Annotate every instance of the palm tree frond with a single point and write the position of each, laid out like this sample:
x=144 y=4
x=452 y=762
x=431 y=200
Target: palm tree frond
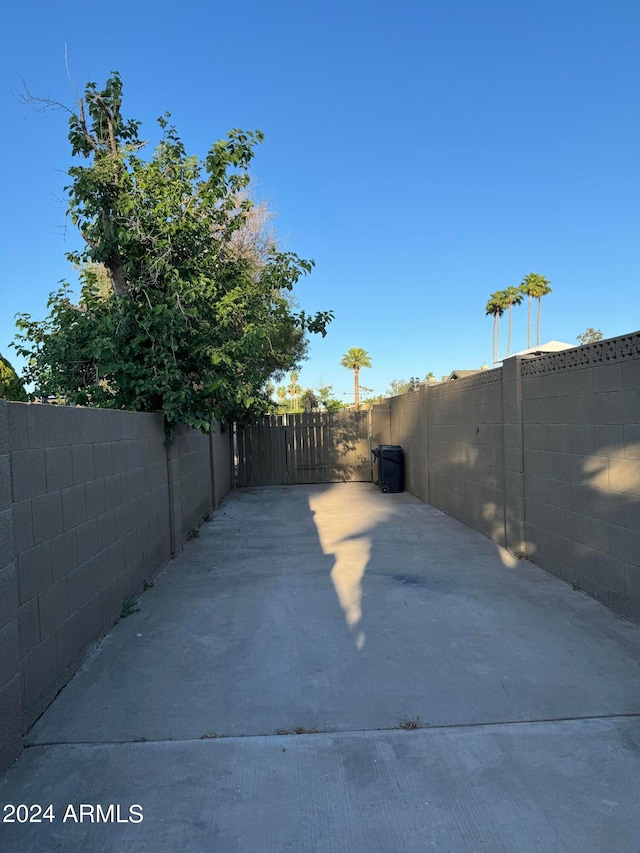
x=354 y=359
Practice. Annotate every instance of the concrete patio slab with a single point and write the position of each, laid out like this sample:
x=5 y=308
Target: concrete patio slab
x=568 y=787
x=339 y=610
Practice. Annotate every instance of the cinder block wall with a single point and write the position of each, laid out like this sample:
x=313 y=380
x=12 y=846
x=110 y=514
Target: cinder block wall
x=92 y=504
x=543 y=456
x=380 y=424
x=194 y=455
x=409 y=429
x=453 y=440
x=90 y=517
x=581 y=445
x=10 y=676
x=465 y=454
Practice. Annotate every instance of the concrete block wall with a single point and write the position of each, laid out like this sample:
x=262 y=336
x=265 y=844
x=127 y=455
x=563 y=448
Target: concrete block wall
x=409 y=429
x=581 y=444
x=466 y=464
x=89 y=502
x=380 y=428
x=513 y=459
x=194 y=455
x=10 y=676
x=453 y=440
x=543 y=456
x=90 y=514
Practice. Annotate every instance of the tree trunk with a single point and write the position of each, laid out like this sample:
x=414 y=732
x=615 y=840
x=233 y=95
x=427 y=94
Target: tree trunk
x=509 y=334
x=538 y=323
x=356 y=371
x=529 y=322
x=495 y=329
x=116 y=274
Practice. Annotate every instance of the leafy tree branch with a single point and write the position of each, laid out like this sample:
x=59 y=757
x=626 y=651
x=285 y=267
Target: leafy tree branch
x=199 y=314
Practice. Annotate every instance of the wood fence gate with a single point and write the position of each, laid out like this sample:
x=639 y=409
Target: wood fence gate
x=319 y=447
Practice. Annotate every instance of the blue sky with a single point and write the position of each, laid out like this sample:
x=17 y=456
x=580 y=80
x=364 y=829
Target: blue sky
x=425 y=154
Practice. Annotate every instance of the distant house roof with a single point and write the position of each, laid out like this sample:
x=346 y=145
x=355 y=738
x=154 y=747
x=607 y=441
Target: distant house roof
x=459 y=374
x=541 y=349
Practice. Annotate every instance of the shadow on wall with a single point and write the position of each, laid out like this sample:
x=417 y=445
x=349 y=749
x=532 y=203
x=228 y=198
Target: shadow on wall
x=582 y=517
x=547 y=463
x=453 y=441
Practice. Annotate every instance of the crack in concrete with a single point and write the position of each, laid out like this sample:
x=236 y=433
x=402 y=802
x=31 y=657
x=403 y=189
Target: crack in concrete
x=294 y=734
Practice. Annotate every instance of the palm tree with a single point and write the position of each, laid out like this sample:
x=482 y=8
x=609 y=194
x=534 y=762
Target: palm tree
x=513 y=296
x=354 y=359
x=544 y=290
x=294 y=389
x=281 y=393
x=496 y=306
x=534 y=285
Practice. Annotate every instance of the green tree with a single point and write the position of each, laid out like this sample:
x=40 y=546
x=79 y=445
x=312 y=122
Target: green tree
x=397 y=387
x=496 y=306
x=310 y=401
x=512 y=296
x=327 y=400
x=430 y=377
x=534 y=286
x=11 y=388
x=95 y=278
x=354 y=359
x=590 y=336
x=195 y=325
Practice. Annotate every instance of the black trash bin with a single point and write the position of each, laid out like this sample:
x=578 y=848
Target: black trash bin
x=390 y=458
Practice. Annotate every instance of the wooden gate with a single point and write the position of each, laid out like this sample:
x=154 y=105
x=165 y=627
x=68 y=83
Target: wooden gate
x=319 y=447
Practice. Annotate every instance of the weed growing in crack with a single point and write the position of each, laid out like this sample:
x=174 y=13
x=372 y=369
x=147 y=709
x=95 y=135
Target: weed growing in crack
x=409 y=725
x=129 y=607
x=299 y=731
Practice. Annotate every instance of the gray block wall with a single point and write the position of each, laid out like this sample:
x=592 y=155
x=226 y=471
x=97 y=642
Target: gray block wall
x=409 y=429
x=453 y=440
x=10 y=676
x=195 y=477
x=466 y=459
x=581 y=444
x=543 y=456
x=92 y=504
x=380 y=424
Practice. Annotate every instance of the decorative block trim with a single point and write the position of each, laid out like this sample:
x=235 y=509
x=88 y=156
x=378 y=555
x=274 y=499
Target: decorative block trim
x=478 y=380
x=612 y=350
